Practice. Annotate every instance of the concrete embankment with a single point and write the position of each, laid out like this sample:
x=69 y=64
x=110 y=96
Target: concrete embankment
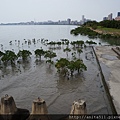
x=109 y=64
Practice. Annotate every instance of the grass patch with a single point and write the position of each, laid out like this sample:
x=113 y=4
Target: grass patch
x=108 y=30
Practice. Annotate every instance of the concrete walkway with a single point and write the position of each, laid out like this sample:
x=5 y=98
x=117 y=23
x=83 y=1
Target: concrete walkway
x=110 y=65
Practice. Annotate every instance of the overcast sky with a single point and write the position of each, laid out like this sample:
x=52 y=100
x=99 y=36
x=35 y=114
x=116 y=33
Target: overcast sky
x=43 y=10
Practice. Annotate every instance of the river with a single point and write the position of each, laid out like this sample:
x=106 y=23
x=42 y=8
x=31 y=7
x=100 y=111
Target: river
x=31 y=80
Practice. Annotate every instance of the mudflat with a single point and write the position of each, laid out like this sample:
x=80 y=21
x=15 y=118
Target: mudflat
x=110 y=64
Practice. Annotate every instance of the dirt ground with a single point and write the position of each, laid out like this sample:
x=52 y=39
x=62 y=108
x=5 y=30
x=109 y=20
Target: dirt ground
x=110 y=64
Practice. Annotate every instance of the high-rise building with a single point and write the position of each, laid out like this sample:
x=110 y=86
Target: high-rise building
x=118 y=14
x=105 y=18
x=83 y=19
x=118 y=17
x=68 y=21
x=110 y=16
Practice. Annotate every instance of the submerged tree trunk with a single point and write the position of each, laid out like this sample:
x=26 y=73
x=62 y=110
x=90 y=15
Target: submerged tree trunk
x=40 y=57
x=72 y=73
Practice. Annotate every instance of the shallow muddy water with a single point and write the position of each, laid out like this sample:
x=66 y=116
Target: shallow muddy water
x=29 y=81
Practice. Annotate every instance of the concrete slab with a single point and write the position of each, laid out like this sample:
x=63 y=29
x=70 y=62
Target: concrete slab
x=107 y=57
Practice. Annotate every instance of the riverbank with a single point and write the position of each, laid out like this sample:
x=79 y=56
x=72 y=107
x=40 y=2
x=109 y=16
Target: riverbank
x=110 y=64
x=93 y=33
x=103 y=30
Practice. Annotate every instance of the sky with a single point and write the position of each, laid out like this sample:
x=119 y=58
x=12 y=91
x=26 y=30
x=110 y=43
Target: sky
x=44 y=10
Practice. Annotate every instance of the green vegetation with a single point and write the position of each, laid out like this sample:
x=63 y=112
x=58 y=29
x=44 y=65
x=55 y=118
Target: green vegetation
x=49 y=54
x=105 y=24
x=84 y=31
x=1 y=53
x=103 y=29
x=94 y=29
x=67 y=50
x=79 y=51
x=110 y=24
x=109 y=30
x=39 y=53
x=24 y=54
x=77 y=44
x=65 y=66
x=9 y=56
x=61 y=66
x=90 y=42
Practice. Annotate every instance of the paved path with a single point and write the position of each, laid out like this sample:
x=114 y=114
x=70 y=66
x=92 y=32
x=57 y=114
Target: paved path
x=110 y=65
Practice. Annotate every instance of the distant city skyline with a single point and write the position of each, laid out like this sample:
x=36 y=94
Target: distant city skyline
x=68 y=21
x=44 y=10
x=110 y=17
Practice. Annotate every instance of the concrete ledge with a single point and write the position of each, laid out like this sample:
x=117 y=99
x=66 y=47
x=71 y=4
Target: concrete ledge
x=110 y=83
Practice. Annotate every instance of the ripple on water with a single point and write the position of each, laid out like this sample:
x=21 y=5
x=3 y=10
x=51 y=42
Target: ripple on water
x=58 y=92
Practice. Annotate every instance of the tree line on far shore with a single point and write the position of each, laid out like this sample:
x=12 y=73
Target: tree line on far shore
x=89 y=29
x=91 y=33
x=105 y=23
